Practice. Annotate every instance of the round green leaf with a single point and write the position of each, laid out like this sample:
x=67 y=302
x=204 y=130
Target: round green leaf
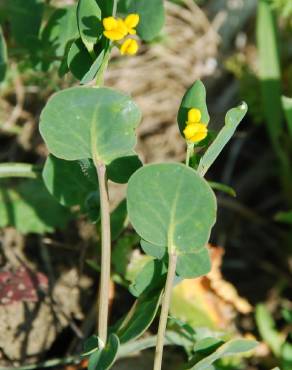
x=170 y=204
x=194 y=264
x=195 y=97
x=121 y=169
x=70 y=181
x=152 y=16
x=156 y=251
x=84 y=122
x=89 y=22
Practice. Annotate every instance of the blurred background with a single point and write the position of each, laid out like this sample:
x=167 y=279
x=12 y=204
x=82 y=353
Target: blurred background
x=242 y=50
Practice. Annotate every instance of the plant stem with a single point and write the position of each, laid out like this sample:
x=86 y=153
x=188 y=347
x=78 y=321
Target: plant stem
x=164 y=310
x=19 y=170
x=105 y=253
x=190 y=148
x=115 y=8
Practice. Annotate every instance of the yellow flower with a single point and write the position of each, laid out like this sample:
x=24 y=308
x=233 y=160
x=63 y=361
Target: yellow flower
x=195 y=132
x=114 y=29
x=131 y=21
x=129 y=46
x=194 y=116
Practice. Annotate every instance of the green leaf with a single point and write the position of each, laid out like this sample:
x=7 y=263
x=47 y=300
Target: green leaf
x=151 y=277
x=269 y=70
x=286 y=355
x=207 y=345
x=3 y=56
x=267 y=328
x=79 y=60
x=230 y=348
x=195 y=97
x=232 y=119
x=25 y=18
x=70 y=181
x=89 y=23
x=287 y=107
x=170 y=204
x=118 y=219
x=153 y=250
x=94 y=69
x=85 y=122
x=91 y=345
x=92 y=206
x=222 y=187
x=105 y=358
x=30 y=208
x=152 y=16
x=122 y=254
x=285 y=217
x=140 y=317
x=121 y=169
x=60 y=30
x=193 y=264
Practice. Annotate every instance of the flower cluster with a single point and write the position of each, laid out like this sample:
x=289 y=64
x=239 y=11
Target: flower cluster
x=195 y=130
x=118 y=29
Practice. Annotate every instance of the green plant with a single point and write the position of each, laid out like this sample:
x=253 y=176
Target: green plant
x=90 y=134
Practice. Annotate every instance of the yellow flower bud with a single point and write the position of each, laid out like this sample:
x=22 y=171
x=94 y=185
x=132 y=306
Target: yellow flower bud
x=129 y=46
x=194 y=116
x=131 y=22
x=195 y=132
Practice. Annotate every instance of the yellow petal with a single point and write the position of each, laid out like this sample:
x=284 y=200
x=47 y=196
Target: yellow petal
x=132 y=20
x=124 y=46
x=195 y=132
x=114 y=35
x=194 y=116
x=109 y=23
x=121 y=27
x=129 y=46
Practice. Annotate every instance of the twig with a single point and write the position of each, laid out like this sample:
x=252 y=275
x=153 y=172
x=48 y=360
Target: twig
x=164 y=311
x=105 y=253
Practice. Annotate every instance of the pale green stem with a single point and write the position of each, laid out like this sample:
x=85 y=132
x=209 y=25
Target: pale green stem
x=172 y=258
x=19 y=170
x=115 y=8
x=190 y=149
x=105 y=253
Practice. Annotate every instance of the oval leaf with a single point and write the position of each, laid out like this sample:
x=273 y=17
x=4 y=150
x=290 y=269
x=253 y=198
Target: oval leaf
x=232 y=119
x=121 y=169
x=194 y=264
x=153 y=250
x=140 y=317
x=170 y=204
x=152 y=16
x=230 y=348
x=70 y=181
x=85 y=122
x=89 y=22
